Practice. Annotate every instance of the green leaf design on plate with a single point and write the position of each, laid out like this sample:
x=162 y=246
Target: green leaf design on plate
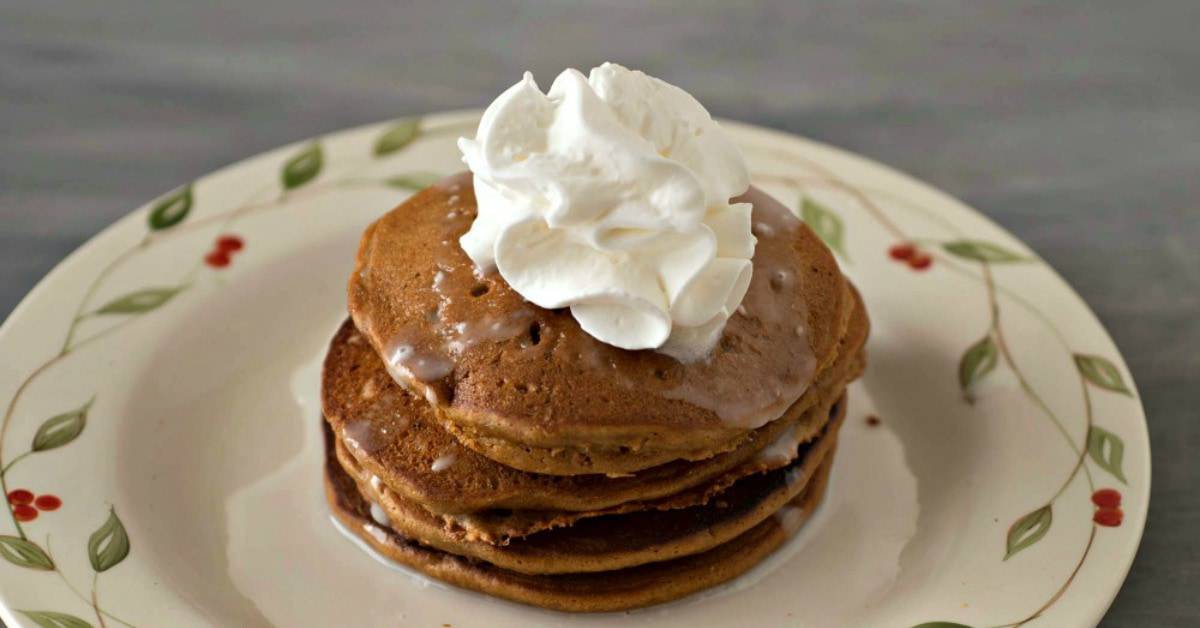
x=826 y=224
x=1028 y=530
x=61 y=429
x=171 y=210
x=303 y=167
x=50 y=619
x=23 y=553
x=976 y=362
x=941 y=624
x=108 y=545
x=981 y=251
x=397 y=136
x=414 y=180
x=1102 y=373
x=141 y=301
x=1107 y=450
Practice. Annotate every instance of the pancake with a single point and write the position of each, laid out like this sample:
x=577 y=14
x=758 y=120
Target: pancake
x=529 y=388
x=613 y=541
x=396 y=438
x=499 y=527
x=855 y=329
x=624 y=589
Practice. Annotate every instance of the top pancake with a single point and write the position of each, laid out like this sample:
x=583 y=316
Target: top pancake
x=512 y=378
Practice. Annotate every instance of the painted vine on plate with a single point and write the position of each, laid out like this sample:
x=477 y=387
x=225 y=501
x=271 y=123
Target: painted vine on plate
x=109 y=544
x=984 y=355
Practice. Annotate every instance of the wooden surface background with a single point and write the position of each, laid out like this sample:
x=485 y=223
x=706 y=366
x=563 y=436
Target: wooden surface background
x=1074 y=124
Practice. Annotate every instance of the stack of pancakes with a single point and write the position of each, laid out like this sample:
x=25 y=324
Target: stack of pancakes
x=495 y=445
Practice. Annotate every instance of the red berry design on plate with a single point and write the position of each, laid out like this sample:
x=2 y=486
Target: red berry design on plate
x=230 y=243
x=217 y=259
x=920 y=261
x=47 y=503
x=20 y=497
x=909 y=253
x=1109 y=517
x=1107 y=498
x=902 y=251
x=26 y=506
x=24 y=513
x=223 y=250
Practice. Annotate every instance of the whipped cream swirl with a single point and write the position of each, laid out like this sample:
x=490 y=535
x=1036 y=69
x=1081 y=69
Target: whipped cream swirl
x=610 y=195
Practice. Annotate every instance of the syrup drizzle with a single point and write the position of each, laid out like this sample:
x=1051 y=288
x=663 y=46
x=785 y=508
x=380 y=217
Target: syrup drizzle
x=369 y=436
x=782 y=450
x=490 y=328
x=431 y=361
x=380 y=515
x=771 y=307
x=443 y=462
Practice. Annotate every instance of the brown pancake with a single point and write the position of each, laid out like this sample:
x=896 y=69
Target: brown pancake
x=634 y=587
x=855 y=329
x=614 y=541
x=529 y=388
x=498 y=527
x=394 y=436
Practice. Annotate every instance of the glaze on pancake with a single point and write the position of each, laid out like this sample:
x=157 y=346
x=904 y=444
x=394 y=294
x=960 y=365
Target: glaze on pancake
x=396 y=438
x=527 y=387
x=634 y=587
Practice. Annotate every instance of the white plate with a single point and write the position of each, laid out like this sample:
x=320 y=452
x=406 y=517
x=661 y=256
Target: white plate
x=180 y=396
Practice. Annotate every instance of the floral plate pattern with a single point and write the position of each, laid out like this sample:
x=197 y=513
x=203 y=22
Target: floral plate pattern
x=1000 y=411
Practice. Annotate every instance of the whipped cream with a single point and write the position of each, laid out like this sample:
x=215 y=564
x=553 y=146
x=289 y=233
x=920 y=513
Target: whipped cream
x=609 y=195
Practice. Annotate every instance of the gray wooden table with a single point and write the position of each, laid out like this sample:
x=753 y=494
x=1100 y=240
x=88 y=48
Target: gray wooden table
x=1074 y=124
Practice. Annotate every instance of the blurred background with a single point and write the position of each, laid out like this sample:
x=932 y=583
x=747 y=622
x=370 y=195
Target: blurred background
x=1076 y=125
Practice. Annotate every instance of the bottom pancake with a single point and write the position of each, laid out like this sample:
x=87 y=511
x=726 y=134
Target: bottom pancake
x=623 y=589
